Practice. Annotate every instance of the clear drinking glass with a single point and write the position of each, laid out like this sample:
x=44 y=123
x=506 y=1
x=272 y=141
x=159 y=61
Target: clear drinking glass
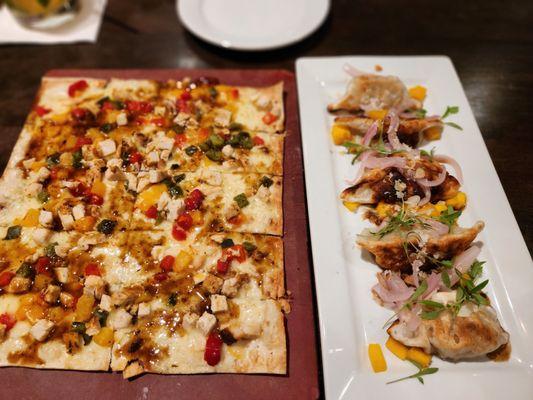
x=43 y=14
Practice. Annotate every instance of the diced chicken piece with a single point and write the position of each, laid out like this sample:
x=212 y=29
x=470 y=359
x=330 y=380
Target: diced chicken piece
x=51 y=294
x=94 y=285
x=78 y=211
x=122 y=119
x=181 y=119
x=165 y=143
x=42 y=174
x=33 y=189
x=107 y=147
x=105 y=303
x=230 y=287
x=19 y=284
x=206 y=323
x=41 y=235
x=232 y=211
x=218 y=303
x=62 y=249
x=144 y=310
x=152 y=158
x=222 y=117
x=163 y=201
x=133 y=369
x=120 y=319
x=93 y=326
x=175 y=207
x=263 y=193
x=212 y=283
x=159 y=110
x=67 y=221
x=61 y=274
x=46 y=218
x=198 y=261
x=227 y=150
x=190 y=320
x=165 y=155
x=142 y=183
x=66 y=300
x=41 y=329
x=132 y=180
x=155 y=176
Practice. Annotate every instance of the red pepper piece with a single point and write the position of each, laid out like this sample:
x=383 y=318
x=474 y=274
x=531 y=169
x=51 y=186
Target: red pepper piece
x=94 y=199
x=235 y=93
x=5 y=277
x=82 y=141
x=257 y=141
x=139 y=107
x=184 y=221
x=223 y=266
x=76 y=87
x=92 y=269
x=42 y=266
x=268 y=118
x=178 y=233
x=151 y=212
x=194 y=200
x=213 y=347
x=167 y=263
x=161 y=276
x=135 y=158
x=8 y=320
x=41 y=111
x=79 y=114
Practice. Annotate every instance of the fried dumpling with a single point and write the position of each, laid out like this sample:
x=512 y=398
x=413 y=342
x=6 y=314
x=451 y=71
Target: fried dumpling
x=375 y=92
x=473 y=333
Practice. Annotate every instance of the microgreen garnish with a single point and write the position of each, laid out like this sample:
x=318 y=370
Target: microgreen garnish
x=449 y=217
x=421 y=372
x=379 y=147
x=429 y=154
x=451 y=110
x=402 y=219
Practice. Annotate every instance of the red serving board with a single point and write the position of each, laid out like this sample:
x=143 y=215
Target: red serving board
x=301 y=382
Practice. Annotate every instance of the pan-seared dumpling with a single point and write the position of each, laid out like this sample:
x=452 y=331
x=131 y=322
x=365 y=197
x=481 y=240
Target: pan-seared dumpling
x=375 y=92
x=390 y=251
x=473 y=333
x=391 y=186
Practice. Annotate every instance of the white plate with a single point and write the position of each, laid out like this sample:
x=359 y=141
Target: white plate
x=349 y=319
x=252 y=24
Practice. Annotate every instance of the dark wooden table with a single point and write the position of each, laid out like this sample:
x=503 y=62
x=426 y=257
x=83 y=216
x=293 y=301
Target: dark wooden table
x=490 y=43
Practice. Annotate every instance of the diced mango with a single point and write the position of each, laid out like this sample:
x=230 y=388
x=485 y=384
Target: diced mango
x=149 y=197
x=183 y=260
x=377 y=114
x=34 y=312
x=351 y=205
x=340 y=134
x=439 y=208
x=458 y=202
x=418 y=92
x=383 y=209
x=397 y=348
x=197 y=217
x=84 y=308
x=433 y=132
x=417 y=355
x=377 y=360
x=85 y=224
x=104 y=338
x=31 y=219
x=98 y=188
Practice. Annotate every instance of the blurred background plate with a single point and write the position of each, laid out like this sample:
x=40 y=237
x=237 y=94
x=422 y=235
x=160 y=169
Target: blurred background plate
x=252 y=24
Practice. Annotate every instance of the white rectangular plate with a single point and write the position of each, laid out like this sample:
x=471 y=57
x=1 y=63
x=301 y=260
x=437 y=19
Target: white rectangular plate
x=349 y=318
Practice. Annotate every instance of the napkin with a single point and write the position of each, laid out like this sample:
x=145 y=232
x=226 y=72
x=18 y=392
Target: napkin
x=83 y=28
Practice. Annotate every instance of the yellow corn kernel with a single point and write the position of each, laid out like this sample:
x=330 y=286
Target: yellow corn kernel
x=149 y=197
x=377 y=114
x=340 y=134
x=397 y=348
x=418 y=356
x=104 y=338
x=383 y=209
x=458 y=201
x=37 y=165
x=197 y=217
x=98 y=188
x=84 y=308
x=418 y=92
x=31 y=218
x=439 y=208
x=376 y=357
x=183 y=260
x=351 y=205
x=433 y=132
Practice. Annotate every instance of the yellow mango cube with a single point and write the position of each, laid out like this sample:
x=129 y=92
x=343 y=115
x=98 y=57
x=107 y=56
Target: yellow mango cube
x=104 y=338
x=397 y=348
x=439 y=208
x=98 y=188
x=31 y=219
x=183 y=260
x=377 y=114
x=351 y=205
x=84 y=308
x=458 y=202
x=340 y=134
x=418 y=92
x=433 y=132
x=383 y=209
x=417 y=355
x=149 y=197
x=377 y=360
